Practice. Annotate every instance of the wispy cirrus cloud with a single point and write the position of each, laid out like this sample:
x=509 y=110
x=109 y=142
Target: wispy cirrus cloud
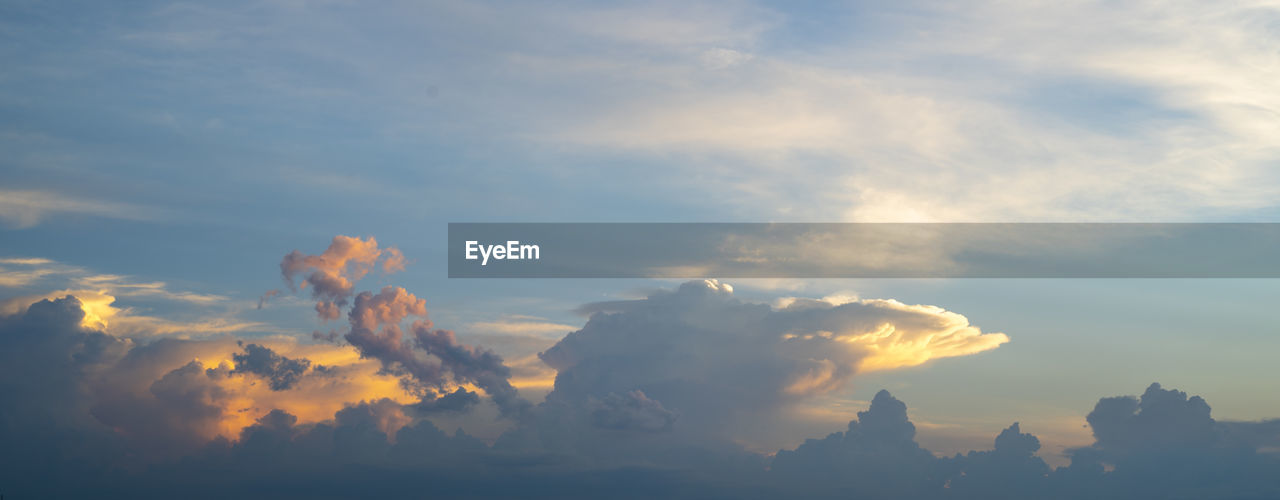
x=520 y=324
x=20 y=272
x=23 y=209
x=35 y=278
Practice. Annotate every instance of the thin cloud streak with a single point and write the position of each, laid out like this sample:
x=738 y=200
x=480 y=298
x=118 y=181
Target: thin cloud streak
x=25 y=209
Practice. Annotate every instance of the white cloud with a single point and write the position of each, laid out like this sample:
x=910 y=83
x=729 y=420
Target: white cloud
x=722 y=362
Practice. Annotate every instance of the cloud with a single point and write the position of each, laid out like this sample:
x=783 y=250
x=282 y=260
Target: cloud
x=713 y=358
x=262 y=301
x=170 y=395
x=11 y=278
x=124 y=287
x=100 y=297
x=652 y=394
x=282 y=372
x=632 y=411
x=876 y=457
x=434 y=361
x=1010 y=470
x=878 y=125
x=28 y=272
x=152 y=420
x=388 y=307
x=880 y=114
x=26 y=261
x=331 y=275
x=460 y=400
x=24 y=209
x=100 y=312
x=518 y=325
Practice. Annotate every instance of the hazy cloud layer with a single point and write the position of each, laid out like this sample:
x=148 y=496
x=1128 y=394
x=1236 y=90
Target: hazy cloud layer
x=916 y=111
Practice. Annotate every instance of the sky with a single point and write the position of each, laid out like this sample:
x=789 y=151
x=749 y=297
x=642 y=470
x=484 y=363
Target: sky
x=248 y=203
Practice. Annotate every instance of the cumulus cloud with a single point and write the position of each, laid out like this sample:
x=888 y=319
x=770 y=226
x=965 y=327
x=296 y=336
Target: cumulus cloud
x=153 y=420
x=876 y=457
x=52 y=358
x=170 y=395
x=331 y=274
x=433 y=357
x=701 y=352
x=435 y=363
x=648 y=394
x=1160 y=445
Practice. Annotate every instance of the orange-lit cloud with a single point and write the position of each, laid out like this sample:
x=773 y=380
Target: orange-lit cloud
x=315 y=398
x=920 y=334
x=237 y=400
x=332 y=274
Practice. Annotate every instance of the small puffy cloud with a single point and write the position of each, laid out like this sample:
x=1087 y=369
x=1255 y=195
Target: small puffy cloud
x=388 y=307
x=282 y=373
x=262 y=301
x=333 y=273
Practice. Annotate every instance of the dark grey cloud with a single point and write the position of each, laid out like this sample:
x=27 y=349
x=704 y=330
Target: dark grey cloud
x=1165 y=444
x=50 y=439
x=1010 y=470
x=876 y=457
x=472 y=364
x=165 y=414
x=281 y=372
x=460 y=400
